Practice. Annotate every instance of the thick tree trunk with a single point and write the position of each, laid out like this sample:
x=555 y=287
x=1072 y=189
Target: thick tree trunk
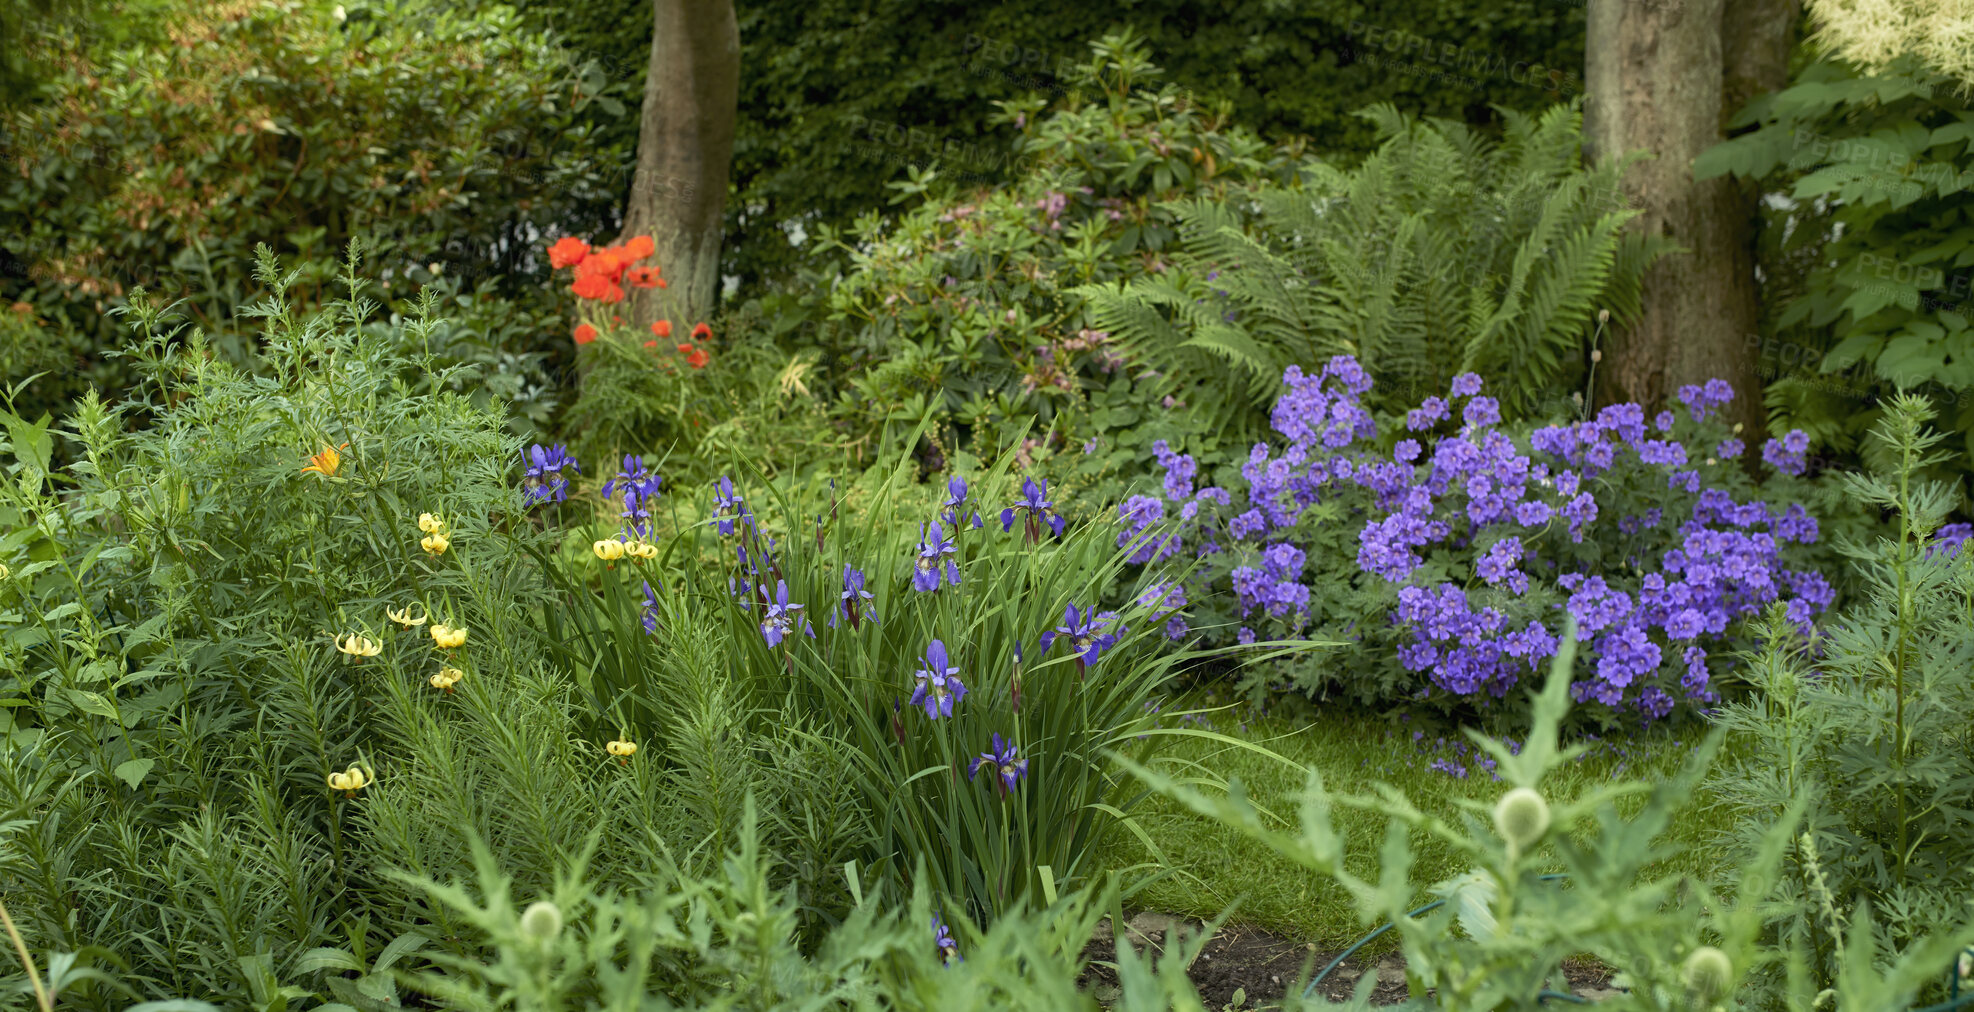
x=684 y=150
x=1665 y=76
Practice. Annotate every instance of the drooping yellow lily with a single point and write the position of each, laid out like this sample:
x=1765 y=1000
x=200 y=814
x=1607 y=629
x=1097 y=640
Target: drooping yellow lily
x=435 y=544
x=327 y=462
x=350 y=781
x=447 y=636
x=641 y=550
x=609 y=550
x=447 y=678
x=404 y=617
x=431 y=524
x=623 y=750
x=359 y=647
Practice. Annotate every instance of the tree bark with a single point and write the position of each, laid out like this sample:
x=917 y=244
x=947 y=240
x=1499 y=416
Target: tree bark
x=1666 y=76
x=684 y=152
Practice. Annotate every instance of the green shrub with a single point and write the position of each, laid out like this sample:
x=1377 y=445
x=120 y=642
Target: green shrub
x=1868 y=721
x=1868 y=253
x=447 y=140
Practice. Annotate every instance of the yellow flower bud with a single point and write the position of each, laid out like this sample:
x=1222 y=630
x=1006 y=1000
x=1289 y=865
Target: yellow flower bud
x=431 y=524
x=404 y=617
x=609 y=550
x=435 y=544
x=447 y=636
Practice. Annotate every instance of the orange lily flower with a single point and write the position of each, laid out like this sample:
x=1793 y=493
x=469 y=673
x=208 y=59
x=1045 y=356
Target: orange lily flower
x=327 y=462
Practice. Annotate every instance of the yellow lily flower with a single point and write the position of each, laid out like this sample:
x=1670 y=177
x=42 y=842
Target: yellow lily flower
x=327 y=462
x=359 y=647
x=623 y=750
x=435 y=544
x=448 y=637
x=447 y=678
x=351 y=780
x=608 y=550
x=405 y=618
x=431 y=524
x=641 y=550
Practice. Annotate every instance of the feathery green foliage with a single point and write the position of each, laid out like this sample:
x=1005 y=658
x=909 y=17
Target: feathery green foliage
x=1444 y=252
x=1868 y=724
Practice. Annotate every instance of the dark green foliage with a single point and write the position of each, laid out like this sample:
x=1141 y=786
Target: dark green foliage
x=1869 y=246
x=1445 y=252
x=450 y=142
x=838 y=97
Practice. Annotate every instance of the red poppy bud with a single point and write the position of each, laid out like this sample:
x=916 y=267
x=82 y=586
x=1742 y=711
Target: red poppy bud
x=585 y=333
x=663 y=328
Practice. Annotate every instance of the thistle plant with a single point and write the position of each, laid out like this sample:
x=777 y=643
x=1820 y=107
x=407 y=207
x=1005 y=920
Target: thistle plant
x=1552 y=879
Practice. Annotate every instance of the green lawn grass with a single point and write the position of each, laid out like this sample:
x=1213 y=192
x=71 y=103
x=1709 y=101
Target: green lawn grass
x=1214 y=868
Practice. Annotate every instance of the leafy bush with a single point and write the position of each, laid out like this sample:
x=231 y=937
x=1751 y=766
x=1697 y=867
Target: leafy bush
x=1552 y=881
x=1870 y=248
x=1452 y=549
x=1867 y=720
x=960 y=315
x=1444 y=252
x=443 y=138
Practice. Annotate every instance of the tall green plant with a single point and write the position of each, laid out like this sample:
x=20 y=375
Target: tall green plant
x=987 y=844
x=1445 y=252
x=1868 y=721
x=1550 y=881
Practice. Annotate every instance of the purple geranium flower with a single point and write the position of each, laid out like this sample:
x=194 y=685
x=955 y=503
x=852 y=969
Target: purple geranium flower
x=939 y=685
x=1084 y=633
x=544 y=479
x=935 y=553
x=1035 y=509
x=1000 y=759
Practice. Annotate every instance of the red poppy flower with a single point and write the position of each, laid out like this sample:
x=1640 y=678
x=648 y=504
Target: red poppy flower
x=645 y=277
x=613 y=296
x=591 y=286
x=687 y=349
x=640 y=247
x=585 y=333
x=701 y=332
x=606 y=263
x=698 y=358
x=662 y=283
x=663 y=328
x=567 y=252
x=651 y=344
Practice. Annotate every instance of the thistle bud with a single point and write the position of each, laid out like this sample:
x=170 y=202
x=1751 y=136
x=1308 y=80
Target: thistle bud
x=1521 y=817
x=542 y=921
x=1596 y=355
x=1708 y=974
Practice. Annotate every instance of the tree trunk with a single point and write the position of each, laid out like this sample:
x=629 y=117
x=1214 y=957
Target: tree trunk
x=684 y=150
x=1666 y=76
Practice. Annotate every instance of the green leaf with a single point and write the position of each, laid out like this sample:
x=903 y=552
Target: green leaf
x=90 y=702
x=132 y=771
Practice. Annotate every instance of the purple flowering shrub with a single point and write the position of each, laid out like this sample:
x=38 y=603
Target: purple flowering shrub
x=1452 y=547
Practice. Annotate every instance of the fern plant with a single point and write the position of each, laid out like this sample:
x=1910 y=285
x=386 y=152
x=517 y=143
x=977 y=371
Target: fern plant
x=1444 y=252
